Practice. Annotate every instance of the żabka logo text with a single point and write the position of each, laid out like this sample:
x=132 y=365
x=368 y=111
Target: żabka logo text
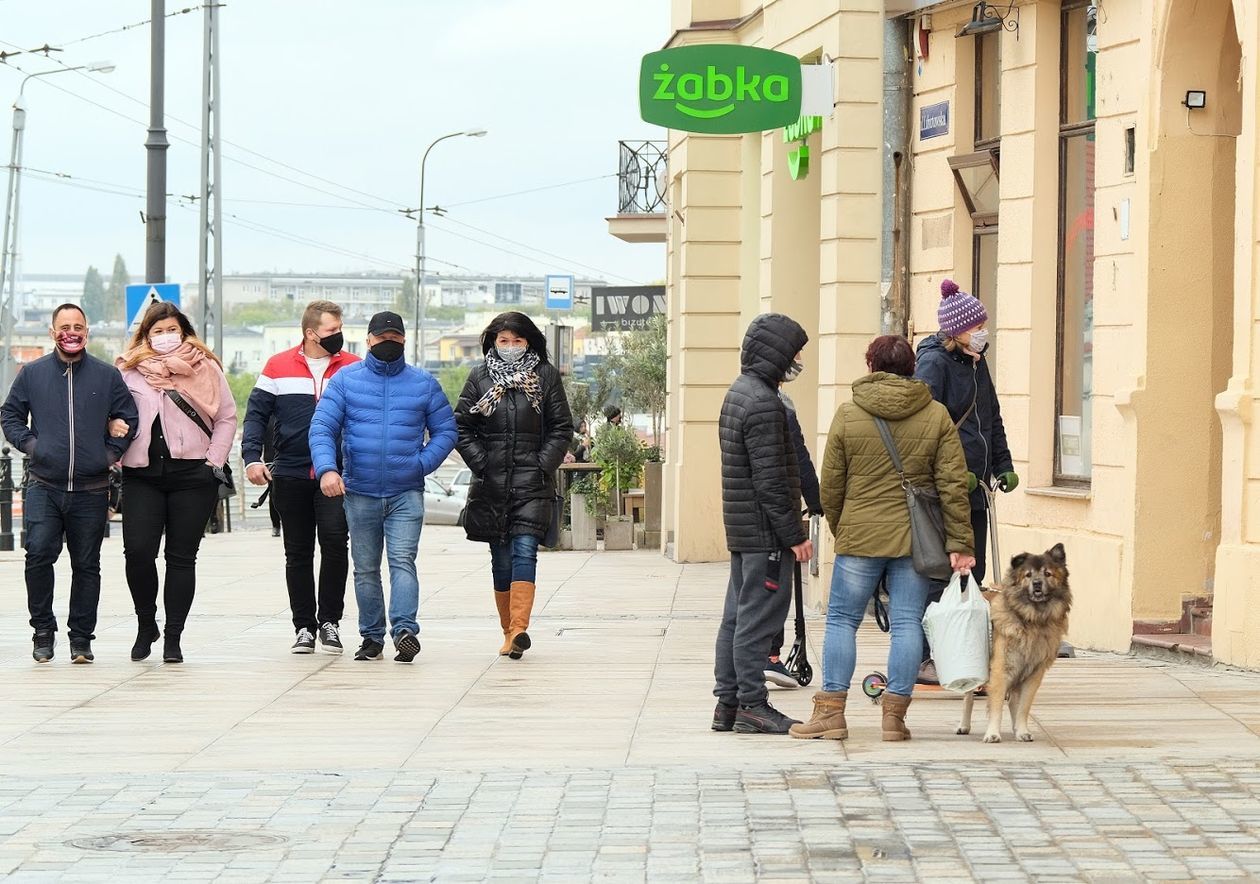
x=720 y=89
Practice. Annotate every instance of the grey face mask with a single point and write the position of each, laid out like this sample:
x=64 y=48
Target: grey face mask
x=511 y=355
x=794 y=371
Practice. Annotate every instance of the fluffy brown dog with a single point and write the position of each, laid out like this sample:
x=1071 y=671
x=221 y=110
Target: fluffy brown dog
x=1030 y=617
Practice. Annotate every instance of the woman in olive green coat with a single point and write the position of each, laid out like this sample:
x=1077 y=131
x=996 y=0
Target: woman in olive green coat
x=866 y=509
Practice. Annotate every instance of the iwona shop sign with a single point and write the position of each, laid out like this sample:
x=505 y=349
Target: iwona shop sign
x=720 y=89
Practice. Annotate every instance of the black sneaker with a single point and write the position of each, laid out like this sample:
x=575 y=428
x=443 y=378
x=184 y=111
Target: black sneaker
x=762 y=719
x=305 y=643
x=777 y=674
x=407 y=646
x=371 y=649
x=81 y=651
x=724 y=717
x=329 y=639
x=44 y=644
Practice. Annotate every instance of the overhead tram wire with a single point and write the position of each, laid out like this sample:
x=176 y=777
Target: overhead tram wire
x=132 y=26
x=503 y=196
x=598 y=270
x=111 y=189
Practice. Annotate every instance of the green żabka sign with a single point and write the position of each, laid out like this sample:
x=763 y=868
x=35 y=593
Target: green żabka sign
x=720 y=89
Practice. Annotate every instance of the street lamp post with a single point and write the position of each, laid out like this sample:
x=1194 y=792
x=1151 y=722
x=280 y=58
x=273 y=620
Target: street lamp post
x=8 y=248
x=418 y=349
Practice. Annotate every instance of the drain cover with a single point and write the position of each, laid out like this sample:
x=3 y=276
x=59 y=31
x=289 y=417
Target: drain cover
x=180 y=841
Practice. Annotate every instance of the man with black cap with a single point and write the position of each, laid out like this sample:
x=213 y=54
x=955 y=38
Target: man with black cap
x=382 y=410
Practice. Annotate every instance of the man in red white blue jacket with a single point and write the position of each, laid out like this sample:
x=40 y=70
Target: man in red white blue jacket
x=289 y=387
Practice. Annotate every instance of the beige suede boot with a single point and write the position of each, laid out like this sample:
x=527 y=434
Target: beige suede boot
x=827 y=722
x=895 y=707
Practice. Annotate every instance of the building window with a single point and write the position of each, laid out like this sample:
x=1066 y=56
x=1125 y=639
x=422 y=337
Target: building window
x=1078 y=53
x=976 y=175
x=988 y=130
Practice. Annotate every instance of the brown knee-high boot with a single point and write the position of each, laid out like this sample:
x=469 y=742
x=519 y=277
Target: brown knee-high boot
x=504 y=602
x=894 y=724
x=522 y=605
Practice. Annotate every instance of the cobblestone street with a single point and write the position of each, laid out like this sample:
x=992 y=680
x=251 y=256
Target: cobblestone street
x=589 y=759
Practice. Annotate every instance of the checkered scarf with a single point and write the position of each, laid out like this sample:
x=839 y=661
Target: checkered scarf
x=519 y=375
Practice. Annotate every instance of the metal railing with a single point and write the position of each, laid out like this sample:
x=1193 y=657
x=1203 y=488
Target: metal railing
x=642 y=177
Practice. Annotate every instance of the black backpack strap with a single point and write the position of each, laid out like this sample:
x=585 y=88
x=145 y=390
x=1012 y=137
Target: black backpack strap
x=182 y=404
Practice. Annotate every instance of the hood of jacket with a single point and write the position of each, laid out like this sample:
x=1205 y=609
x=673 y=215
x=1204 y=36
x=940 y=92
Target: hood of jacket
x=935 y=345
x=770 y=344
x=891 y=396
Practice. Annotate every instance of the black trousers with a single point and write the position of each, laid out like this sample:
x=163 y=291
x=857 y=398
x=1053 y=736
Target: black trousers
x=306 y=515
x=78 y=517
x=980 y=528
x=755 y=609
x=175 y=504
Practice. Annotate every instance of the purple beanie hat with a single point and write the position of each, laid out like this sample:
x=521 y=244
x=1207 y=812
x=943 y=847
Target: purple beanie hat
x=959 y=311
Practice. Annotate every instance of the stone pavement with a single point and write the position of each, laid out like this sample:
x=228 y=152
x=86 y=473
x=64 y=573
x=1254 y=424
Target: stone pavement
x=590 y=759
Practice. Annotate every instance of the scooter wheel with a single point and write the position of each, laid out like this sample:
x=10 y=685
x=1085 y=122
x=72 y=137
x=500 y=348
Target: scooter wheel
x=804 y=674
x=874 y=685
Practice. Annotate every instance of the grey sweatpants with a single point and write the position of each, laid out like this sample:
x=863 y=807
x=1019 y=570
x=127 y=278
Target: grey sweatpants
x=752 y=616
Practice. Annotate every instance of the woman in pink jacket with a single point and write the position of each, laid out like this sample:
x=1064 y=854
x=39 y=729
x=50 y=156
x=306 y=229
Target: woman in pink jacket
x=172 y=470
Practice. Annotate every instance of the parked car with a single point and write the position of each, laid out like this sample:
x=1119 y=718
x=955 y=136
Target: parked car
x=461 y=483
x=442 y=506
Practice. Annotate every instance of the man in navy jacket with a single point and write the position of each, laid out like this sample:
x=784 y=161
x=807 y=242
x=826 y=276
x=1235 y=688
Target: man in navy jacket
x=382 y=409
x=73 y=417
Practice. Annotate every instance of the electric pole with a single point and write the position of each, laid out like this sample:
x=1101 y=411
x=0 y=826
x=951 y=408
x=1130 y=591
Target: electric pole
x=155 y=147
x=210 y=251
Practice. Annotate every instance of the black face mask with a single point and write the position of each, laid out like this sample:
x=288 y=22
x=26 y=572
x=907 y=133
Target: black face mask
x=387 y=351
x=333 y=343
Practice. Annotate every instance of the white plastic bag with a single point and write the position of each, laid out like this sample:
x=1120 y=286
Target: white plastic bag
x=957 y=628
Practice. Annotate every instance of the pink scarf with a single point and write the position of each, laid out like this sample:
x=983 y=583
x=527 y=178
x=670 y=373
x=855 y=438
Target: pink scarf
x=187 y=370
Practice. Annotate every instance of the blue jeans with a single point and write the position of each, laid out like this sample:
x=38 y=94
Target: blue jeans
x=78 y=517
x=514 y=559
x=853 y=583
x=392 y=523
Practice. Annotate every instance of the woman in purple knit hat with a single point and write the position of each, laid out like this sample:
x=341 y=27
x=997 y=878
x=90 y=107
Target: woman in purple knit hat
x=952 y=363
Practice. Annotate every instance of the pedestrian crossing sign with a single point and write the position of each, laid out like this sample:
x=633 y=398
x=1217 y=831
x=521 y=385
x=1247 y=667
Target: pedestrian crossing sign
x=141 y=297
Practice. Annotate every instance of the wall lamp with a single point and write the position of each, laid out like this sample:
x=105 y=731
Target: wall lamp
x=1196 y=99
x=986 y=19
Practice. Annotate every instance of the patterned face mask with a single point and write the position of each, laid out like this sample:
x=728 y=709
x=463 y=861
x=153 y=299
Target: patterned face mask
x=794 y=371
x=511 y=355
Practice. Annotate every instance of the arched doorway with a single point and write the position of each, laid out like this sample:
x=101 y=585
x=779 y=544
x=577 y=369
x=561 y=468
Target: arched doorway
x=1189 y=319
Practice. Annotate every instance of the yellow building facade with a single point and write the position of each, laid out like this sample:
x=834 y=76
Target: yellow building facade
x=1086 y=169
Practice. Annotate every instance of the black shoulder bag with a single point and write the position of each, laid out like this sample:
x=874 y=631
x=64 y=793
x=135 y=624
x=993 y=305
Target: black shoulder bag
x=227 y=487
x=927 y=523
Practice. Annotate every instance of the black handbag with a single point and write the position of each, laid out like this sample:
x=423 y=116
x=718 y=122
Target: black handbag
x=927 y=523
x=227 y=486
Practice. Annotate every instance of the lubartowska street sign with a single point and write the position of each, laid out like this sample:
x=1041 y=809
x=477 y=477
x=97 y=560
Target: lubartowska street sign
x=720 y=89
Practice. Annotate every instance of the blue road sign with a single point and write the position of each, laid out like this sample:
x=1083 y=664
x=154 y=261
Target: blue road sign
x=140 y=297
x=934 y=120
x=559 y=292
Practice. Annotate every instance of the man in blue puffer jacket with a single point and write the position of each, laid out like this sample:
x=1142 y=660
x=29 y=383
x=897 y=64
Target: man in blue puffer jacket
x=381 y=409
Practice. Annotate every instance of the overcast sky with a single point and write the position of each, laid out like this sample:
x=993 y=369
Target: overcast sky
x=352 y=92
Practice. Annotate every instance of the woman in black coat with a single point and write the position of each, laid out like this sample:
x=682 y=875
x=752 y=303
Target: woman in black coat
x=514 y=430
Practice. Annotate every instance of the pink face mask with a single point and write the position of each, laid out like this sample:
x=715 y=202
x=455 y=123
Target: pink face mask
x=69 y=342
x=165 y=343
